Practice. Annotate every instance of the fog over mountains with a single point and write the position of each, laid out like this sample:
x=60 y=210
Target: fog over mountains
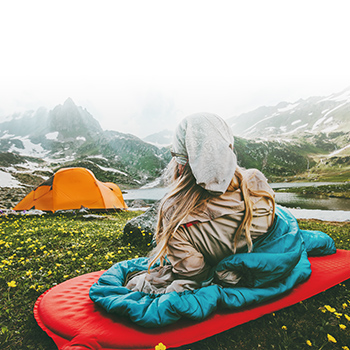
x=306 y=139
x=314 y=115
x=40 y=142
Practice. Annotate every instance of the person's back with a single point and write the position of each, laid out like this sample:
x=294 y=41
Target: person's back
x=213 y=210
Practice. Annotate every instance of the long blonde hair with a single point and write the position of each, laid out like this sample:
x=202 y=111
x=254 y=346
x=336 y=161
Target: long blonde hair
x=186 y=197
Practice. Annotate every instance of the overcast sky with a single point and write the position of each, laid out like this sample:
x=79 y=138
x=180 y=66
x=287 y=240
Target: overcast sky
x=141 y=66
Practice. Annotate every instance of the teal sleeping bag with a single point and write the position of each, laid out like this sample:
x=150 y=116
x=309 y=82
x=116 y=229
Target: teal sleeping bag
x=278 y=263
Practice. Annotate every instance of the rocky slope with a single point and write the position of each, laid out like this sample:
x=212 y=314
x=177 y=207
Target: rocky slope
x=288 y=120
x=68 y=135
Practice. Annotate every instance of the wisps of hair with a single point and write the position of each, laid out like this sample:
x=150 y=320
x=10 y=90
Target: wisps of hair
x=184 y=197
x=246 y=223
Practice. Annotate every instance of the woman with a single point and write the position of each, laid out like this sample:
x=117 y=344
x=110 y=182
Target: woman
x=213 y=210
x=221 y=242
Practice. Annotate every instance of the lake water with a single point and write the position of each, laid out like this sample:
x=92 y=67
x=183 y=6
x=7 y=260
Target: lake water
x=289 y=200
x=296 y=200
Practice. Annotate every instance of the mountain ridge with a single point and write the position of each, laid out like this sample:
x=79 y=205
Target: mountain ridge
x=35 y=144
x=315 y=114
x=68 y=135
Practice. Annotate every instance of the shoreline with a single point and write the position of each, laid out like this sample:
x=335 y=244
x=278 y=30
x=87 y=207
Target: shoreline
x=302 y=214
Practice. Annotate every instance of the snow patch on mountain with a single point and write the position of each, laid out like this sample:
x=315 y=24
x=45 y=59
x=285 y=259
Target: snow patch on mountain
x=253 y=127
x=334 y=109
x=52 y=135
x=296 y=122
x=288 y=108
x=58 y=160
x=97 y=156
x=6 y=135
x=317 y=123
x=112 y=170
x=345 y=96
x=29 y=148
x=328 y=120
x=296 y=129
x=7 y=180
x=32 y=166
x=338 y=151
x=330 y=129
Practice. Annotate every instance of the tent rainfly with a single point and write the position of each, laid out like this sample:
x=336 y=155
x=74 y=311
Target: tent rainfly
x=73 y=188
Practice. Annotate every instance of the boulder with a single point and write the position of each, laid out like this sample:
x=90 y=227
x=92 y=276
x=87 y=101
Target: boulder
x=140 y=230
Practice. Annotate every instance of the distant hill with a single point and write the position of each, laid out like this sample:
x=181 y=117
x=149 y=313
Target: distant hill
x=161 y=139
x=288 y=120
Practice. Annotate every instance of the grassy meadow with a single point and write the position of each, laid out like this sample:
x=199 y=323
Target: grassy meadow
x=38 y=252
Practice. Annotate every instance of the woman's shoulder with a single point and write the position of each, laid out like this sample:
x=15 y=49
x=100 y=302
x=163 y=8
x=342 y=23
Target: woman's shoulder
x=256 y=180
x=253 y=173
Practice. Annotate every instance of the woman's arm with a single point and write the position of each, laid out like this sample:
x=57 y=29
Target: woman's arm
x=186 y=261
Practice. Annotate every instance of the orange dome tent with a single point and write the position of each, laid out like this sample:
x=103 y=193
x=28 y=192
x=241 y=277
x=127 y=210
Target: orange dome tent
x=73 y=188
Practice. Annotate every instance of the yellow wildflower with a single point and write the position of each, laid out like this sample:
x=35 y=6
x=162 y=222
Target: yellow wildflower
x=160 y=346
x=345 y=348
x=331 y=339
x=329 y=308
x=347 y=317
x=284 y=328
x=342 y=326
x=12 y=284
x=308 y=342
x=345 y=305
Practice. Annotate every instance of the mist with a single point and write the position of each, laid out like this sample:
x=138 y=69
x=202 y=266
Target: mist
x=140 y=67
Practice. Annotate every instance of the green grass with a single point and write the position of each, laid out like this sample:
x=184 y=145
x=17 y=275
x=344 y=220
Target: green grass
x=36 y=253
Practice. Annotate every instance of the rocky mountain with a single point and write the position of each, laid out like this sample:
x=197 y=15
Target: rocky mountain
x=308 y=140
x=35 y=144
x=287 y=120
x=161 y=139
x=328 y=115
